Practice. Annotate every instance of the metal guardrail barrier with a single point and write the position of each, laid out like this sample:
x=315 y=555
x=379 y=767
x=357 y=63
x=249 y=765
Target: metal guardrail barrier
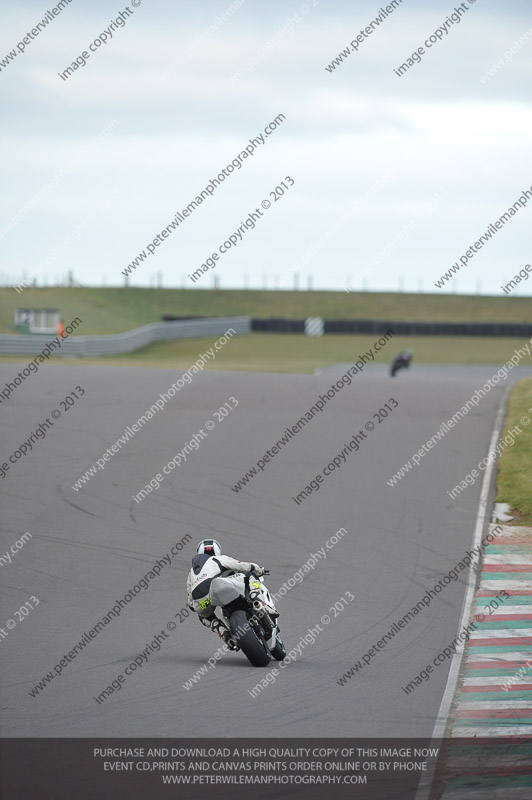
x=113 y=344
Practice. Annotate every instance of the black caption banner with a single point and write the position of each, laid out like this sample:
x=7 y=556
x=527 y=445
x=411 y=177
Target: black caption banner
x=299 y=769
x=148 y=769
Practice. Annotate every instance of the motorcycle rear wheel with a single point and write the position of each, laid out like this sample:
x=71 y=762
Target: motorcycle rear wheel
x=279 y=651
x=255 y=649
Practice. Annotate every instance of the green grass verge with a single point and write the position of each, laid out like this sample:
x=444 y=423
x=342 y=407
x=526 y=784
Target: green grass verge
x=273 y=352
x=115 y=310
x=514 y=478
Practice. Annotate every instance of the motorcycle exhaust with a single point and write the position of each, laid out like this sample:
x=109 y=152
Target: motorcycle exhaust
x=264 y=617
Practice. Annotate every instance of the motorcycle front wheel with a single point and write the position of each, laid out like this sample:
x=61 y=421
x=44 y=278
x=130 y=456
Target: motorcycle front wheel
x=254 y=648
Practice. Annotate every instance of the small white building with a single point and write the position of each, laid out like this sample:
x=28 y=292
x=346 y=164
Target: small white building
x=37 y=320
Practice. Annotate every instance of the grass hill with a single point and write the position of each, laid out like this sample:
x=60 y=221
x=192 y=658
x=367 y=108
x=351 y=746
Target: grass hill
x=114 y=310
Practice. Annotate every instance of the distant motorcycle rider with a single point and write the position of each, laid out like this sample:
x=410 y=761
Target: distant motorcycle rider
x=401 y=361
x=209 y=563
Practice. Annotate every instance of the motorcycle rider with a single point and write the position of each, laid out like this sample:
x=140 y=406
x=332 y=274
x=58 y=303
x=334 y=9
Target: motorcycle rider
x=207 y=564
x=401 y=361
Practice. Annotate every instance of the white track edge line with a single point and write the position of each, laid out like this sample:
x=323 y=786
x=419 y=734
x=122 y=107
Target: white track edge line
x=442 y=718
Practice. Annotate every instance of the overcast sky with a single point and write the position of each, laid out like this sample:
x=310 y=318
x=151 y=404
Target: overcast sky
x=409 y=171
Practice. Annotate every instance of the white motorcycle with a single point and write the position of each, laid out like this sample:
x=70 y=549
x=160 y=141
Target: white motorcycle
x=249 y=608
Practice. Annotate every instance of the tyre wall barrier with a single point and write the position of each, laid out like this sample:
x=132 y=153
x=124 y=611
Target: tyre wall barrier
x=402 y=328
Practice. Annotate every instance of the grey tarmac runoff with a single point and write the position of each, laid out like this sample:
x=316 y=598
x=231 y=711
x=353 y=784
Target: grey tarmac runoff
x=90 y=546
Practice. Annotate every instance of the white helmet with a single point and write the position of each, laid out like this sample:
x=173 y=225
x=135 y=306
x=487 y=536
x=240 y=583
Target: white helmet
x=210 y=547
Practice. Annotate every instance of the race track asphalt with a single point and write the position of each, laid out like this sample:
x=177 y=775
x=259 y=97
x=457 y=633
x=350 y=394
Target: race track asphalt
x=89 y=547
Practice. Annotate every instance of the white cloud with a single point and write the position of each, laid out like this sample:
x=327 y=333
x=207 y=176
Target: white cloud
x=343 y=130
